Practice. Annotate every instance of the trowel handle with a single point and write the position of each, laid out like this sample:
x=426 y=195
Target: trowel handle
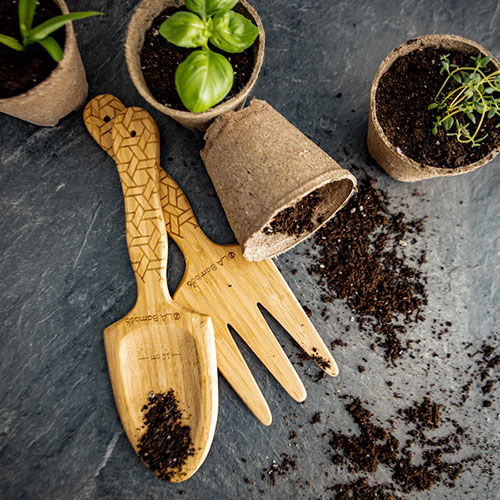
x=136 y=146
x=181 y=224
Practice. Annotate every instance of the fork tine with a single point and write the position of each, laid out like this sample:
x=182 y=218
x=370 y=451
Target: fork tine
x=235 y=370
x=261 y=340
x=286 y=309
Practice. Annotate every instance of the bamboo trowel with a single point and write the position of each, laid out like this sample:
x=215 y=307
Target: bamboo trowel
x=159 y=346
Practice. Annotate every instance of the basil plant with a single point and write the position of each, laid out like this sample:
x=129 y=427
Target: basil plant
x=205 y=77
x=41 y=33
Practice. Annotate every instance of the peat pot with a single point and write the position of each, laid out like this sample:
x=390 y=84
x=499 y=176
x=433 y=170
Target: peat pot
x=63 y=91
x=386 y=154
x=276 y=186
x=141 y=21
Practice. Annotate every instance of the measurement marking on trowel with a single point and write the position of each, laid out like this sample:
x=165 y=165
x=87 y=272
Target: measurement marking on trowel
x=163 y=356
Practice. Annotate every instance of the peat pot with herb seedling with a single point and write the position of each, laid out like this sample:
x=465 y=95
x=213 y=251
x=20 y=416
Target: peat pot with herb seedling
x=195 y=60
x=42 y=77
x=435 y=108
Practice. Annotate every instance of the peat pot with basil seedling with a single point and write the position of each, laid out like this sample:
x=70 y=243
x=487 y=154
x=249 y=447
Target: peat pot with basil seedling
x=195 y=60
x=435 y=108
x=42 y=78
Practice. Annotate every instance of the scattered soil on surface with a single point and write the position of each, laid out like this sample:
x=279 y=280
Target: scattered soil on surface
x=362 y=260
x=159 y=61
x=425 y=414
x=167 y=443
x=303 y=357
x=298 y=219
x=287 y=465
x=21 y=71
x=403 y=94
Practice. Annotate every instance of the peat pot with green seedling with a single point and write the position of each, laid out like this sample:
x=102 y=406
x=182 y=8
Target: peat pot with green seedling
x=195 y=60
x=42 y=75
x=435 y=108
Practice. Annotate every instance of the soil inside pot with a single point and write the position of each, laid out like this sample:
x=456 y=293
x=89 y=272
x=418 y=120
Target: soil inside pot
x=403 y=94
x=167 y=443
x=160 y=58
x=299 y=219
x=21 y=71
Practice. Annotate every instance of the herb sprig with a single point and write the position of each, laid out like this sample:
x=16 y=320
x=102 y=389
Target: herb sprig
x=41 y=33
x=205 y=77
x=475 y=99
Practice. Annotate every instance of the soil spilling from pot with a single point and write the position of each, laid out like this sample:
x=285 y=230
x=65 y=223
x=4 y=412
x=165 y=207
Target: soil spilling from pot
x=403 y=94
x=21 y=71
x=298 y=219
x=167 y=443
x=406 y=445
x=362 y=260
x=160 y=58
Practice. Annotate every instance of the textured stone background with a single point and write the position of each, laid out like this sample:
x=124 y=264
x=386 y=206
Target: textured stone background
x=66 y=274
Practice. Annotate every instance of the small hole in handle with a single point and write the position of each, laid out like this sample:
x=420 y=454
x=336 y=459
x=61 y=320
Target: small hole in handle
x=107 y=118
x=133 y=133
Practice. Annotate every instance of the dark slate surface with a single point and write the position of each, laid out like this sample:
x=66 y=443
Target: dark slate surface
x=66 y=275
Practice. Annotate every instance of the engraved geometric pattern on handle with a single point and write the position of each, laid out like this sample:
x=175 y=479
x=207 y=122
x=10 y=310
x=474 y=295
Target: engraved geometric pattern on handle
x=99 y=115
x=176 y=208
x=137 y=163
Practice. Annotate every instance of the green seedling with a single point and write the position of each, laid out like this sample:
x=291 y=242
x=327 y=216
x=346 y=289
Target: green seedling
x=474 y=98
x=205 y=77
x=41 y=33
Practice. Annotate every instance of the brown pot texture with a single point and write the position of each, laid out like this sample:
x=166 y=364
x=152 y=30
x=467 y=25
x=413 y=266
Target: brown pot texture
x=262 y=167
x=388 y=156
x=141 y=21
x=63 y=91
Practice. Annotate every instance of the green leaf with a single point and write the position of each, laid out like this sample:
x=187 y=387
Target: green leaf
x=471 y=117
x=203 y=80
x=46 y=28
x=219 y=6
x=232 y=32
x=457 y=78
x=207 y=8
x=26 y=12
x=448 y=123
x=185 y=29
x=198 y=7
x=489 y=90
x=484 y=61
x=479 y=107
x=476 y=59
x=491 y=113
x=432 y=105
x=11 y=42
x=52 y=47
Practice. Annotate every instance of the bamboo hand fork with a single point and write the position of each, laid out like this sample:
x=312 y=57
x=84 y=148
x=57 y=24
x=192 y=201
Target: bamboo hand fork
x=220 y=281
x=159 y=345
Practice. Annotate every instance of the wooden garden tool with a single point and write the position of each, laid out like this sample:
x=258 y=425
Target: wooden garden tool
x=219 y=280
x=159 y=345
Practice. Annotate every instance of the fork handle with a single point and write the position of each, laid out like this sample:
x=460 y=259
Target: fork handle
x=180 y=221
